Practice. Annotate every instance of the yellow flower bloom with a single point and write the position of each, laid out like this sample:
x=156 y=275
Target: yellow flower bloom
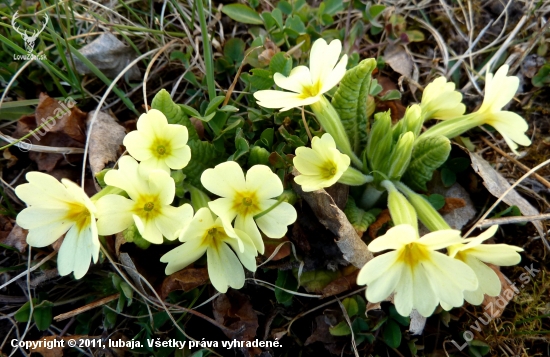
x=54 y=209
x=157 y=144
x=245 y=198
x=321 y=166
x=499 y=90
x=206 y=233
x=441 y=101
x=148 y=207
x=420 y=276
x=307 y=85
x=475 y=255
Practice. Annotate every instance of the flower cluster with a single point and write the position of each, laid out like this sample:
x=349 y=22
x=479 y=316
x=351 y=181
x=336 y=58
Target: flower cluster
x=421 y=277
x=142 y=194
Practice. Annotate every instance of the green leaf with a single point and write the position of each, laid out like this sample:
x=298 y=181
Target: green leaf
x=341 y=329
x=285 y=280
x=213 y=105
x=43 y=315
x=278 y=16
x=428 y=154
x=242 y=13
x=293 y=140
x=295 y=24
x=280 y=64
x=173 y=112
x=333 y=6
x=261 y=79
x=437 y=201
x=350 y=101
x=258 y=156
x=351 y=306
x=458 y=164
x=203 y=156
x=359 y=218
x=391 y=334
x=24 y=312
x=542 y=77
x=285 y=7
x=391 y=95
x=448 y=177
x=234 y=49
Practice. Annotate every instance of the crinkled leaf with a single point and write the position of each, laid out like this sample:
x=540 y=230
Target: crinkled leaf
x=359 y=218
x=280 y=64
x=428 y=154
x=173 y=112
x=350 y=101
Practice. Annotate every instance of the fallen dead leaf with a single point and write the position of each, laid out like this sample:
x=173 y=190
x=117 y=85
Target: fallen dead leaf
x=17 y=238
x=344 y=283
x=452 y=203
x=131 y=270
x=272 y=244
x=235 y=311
x=65 y=128
x=186 y=280
x=105 y=141
x=459 y=208
x=383 y=218
x=333 y=218
x=494 y=305
x=109 y=55
x=321 y=333
x=497 y=185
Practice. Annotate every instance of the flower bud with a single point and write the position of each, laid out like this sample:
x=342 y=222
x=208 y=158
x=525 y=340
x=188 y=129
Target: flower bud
x=353 y=177
x=379 y=141
x=401 y=211
x=401 y=156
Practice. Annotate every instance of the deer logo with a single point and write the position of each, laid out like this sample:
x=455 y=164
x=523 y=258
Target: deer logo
x=29 y=40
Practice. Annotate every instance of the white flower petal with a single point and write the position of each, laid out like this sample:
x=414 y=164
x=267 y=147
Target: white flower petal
x=376 y=268
x=404 y=293
x=263 y=182
x=247 y=225
x=381 y=288
x=298 y=78
x=179 y=158
x=441 y=239
x=173 y=219
x=114 y=214
x=395 y=238
x=180 y=257
x=224 y=180
x=162 y=186
x=497 y=254
x=322 y=59
x=424 y=299
x=248 y=254
x=75 y=253
x=153 y=123
x=335 y=75
x=153 y=164
x=45 y=235
x=127 y=177
x=148 y=230
x=201 y=222
x=224 y=268
x=138 y=145
x=275 y=223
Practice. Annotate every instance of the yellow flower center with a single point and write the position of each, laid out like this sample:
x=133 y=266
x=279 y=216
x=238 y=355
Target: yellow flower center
x=161 y=150
x=79 y=214
x=246 y=203
x=149 y=206
x=329 y=170
x=214 y=237
x=311 y=91
x=413 y=254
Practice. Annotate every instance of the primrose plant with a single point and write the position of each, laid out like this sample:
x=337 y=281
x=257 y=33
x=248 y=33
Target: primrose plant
x=176 y=186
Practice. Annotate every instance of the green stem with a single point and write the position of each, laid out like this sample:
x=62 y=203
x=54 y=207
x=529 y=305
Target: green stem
x=281 y=199
x=207 y=50
x=454 y=127
x=354 y=177
x=370 y=196
x=330 y=121
x=426 y=212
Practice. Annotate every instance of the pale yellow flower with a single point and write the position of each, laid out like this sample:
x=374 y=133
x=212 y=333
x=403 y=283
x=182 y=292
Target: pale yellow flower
x=206 y=233
x=148 y=207
x=321 y=166
x=419 y=276
x=54 y=209
x=441 y=101
x=499 y=90
x=475 y=255
x=307 y=85
x=157 y=144
x=245 y=198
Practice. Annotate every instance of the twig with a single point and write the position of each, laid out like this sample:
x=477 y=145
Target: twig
x=30 y=270
x=512 y=220
x=516 y=162
x=85 y=308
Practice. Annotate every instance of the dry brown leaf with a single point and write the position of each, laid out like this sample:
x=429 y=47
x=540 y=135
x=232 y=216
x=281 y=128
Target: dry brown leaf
x=399 y=60
x=17 y=238
x=235 y=311
x=383 y=218
x=109 y=55
x=11 y=159
x=105 y=141
x=272 y=244
x=497 y=185
x=343 y=283
x=494 y=305
x=321 y=333
x=65 y=128
x=186 y=280
x=452 y=203
x=333 y=218
x=131 y=270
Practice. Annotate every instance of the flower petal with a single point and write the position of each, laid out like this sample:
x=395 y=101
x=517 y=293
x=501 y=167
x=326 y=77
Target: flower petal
x=298 y=78
x=153 y=164
x=285 y=100
x=162 y=186
x=335 y=75
x=275 y=223
x=395 y=238
x=497 y=254
x=153 y=123
x=224 y=268
x=114 y=214
x=223 y=208
x=201 y=222
x=180 y=257
x=247 y=225
x=263 y=182
x=45 y=235
x=138 y=145
x=381 y=288
x=376 y=268
x=322 y=59
x=224 y=180
x=148 y=230
x=499 y=89
x=404 y=293
x=424 y=299
x=173 y=219
x=248 y=255
x=179 y=158
x=75 y=253
x=441 y=239
x=127 y=177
